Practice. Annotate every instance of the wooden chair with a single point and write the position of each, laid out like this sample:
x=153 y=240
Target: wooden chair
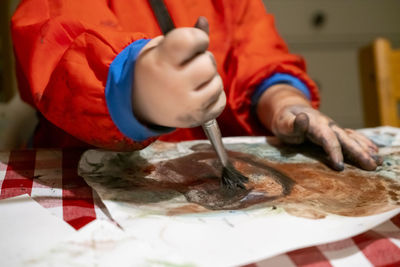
x=380 y=80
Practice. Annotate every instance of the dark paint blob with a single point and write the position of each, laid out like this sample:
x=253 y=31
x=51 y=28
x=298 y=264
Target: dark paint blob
x=310 y=190
x=303 y=189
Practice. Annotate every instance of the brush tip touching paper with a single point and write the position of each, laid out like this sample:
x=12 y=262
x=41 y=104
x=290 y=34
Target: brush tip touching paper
x=232 y=179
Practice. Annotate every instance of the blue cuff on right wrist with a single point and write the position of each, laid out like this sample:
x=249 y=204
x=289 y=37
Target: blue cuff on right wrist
x=118 y=94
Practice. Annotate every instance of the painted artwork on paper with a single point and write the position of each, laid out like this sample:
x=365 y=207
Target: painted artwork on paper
x=169 y=210
x=182 y=178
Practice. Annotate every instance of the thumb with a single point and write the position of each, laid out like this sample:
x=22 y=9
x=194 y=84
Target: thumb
x=301 y=124
x=202 y=24
x=292 y=128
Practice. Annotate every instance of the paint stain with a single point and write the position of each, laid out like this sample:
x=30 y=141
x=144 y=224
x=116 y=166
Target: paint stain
x=309 y=190
x=190 y=184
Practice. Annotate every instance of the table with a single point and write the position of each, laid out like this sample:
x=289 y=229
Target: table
x=50 y=178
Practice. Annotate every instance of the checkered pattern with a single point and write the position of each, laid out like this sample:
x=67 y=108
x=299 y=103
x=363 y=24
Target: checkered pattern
x=50 y=177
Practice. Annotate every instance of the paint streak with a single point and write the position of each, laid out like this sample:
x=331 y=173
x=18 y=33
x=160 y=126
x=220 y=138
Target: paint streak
x=200 y=182
x=190 y=184
x=309 y=190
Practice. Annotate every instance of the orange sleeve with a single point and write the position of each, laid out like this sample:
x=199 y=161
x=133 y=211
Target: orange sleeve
x=259 y=52
x=64 y=49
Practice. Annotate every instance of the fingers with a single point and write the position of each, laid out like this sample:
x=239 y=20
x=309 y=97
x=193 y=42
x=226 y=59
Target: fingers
x=362 y=143
x=370 y=146
x=186 y=50
x=200 y=70
x=181 y=45
x=336 y=142
x=215 y=108
x=209 y=94
x=216 y=105
x=319 y=129
x=354 y=151
x=324 y=136
x=207 y=103
x=366 y=144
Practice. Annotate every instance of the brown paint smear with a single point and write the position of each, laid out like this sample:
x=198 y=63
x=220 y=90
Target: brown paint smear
x=309 y=190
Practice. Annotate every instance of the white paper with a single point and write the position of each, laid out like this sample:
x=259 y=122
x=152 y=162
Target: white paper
x=220 y=238
x=236 y=238
x=27 y=229
x=224 y=239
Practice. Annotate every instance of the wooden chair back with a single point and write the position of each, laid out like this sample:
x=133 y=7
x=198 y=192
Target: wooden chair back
x=380 y=82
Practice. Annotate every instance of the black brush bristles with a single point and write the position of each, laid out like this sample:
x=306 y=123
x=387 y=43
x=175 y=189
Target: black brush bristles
x=232 y=179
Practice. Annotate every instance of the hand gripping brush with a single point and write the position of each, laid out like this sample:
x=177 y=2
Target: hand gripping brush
x=231 y=178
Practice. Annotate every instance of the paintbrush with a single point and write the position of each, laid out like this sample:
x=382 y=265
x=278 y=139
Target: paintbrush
x=231 y=179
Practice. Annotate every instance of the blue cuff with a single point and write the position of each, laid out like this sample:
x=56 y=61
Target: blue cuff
x=118 y=93
x=279 y=78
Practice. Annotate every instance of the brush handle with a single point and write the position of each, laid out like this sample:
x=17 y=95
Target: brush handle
x=210 y=127
x=213 y=133
x=162 y=15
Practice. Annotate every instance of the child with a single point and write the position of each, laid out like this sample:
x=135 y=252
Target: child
x=101 y=74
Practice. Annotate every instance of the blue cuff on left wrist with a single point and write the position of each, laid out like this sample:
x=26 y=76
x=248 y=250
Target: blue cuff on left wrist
x=278 y=78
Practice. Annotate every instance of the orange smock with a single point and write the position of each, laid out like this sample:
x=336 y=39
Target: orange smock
x=64 y=49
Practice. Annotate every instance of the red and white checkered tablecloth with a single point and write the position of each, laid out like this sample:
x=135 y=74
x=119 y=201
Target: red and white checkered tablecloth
x=50 y=177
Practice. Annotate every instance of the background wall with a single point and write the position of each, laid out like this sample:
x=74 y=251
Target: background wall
x=328 y=34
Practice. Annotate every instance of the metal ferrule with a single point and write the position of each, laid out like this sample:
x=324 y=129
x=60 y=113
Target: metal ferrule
x=214 y=135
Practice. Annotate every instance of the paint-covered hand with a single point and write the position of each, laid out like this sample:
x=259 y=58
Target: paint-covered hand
x=176 y=80
x=287 y=113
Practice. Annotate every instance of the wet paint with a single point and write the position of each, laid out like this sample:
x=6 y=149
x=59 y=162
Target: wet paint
x=170 y=180
x=303 y=189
